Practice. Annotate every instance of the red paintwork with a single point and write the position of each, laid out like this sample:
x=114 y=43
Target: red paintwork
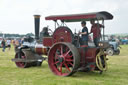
x=90 y=55
x=62 y=34
x=79 y=17
x=47 y=41
x=84 y=46
x=71 y=17
x=40 y=50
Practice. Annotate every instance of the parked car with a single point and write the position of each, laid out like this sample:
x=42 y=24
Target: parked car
x=114 y=48
x=124 y=41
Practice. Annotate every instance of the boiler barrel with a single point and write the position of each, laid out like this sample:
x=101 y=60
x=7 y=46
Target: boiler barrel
x=40 y=49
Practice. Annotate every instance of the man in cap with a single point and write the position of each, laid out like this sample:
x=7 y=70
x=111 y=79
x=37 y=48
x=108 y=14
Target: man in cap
x=84 y=33
x=84 y=44
x=96 y=30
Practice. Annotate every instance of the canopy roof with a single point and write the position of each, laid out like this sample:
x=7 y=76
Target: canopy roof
x=81 y=17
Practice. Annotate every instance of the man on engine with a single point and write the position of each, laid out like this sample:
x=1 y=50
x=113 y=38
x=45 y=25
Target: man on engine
x=84 y=33
x=84 y=44
x=96 y=30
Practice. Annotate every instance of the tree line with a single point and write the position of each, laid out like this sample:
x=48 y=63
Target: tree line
x=7 y=35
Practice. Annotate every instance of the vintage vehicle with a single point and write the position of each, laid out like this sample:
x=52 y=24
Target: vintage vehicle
x=124 y=41
x=114 y=47
x=65 y=53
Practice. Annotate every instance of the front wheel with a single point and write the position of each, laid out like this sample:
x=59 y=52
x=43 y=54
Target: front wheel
x=63 y=59
x=117 y=52
x=21 y=55
x=110 y=51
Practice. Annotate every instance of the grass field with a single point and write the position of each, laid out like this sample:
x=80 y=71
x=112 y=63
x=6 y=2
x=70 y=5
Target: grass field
x=117 y=73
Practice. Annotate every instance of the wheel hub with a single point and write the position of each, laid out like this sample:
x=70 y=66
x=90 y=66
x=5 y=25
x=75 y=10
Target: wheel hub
x=61 y=59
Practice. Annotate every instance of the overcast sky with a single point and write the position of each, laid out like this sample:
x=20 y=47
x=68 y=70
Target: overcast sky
x=16 y=16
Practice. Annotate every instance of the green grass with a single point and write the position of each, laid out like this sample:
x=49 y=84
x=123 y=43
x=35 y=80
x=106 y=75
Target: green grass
x=117 y=73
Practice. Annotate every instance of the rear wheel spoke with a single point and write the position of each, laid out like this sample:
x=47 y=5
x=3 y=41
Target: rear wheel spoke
x=56 y=62
x=60 y=67
x=67 y=67
x=71 y=64
x=67 y=52
x=70 y=60
x=61 y=50
x=57 y=55
x=69 y=56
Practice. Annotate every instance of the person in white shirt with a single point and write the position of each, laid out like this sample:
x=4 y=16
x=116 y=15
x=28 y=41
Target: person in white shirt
x=8 y=44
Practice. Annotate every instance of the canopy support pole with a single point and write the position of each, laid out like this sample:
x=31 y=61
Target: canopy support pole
x=56 y=23
x=103 y=29
x=99 y=28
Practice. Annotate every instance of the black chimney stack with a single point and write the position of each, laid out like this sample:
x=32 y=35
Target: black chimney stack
x=37 y=26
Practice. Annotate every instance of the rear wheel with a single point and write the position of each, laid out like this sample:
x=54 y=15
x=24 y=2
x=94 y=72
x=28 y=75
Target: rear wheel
x=117 y=52
x=63 y=59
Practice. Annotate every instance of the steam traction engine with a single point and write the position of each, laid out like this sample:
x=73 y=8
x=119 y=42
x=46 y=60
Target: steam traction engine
x=65 y=53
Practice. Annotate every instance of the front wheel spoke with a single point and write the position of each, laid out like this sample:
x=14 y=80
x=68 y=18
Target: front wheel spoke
x=67 y=67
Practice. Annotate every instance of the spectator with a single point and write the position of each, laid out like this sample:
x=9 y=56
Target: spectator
x=8 y=43
x=3 y=45
x=20 y=42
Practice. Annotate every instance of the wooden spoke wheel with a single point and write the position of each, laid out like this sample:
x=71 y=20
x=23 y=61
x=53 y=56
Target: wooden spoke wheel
x=63 y=59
